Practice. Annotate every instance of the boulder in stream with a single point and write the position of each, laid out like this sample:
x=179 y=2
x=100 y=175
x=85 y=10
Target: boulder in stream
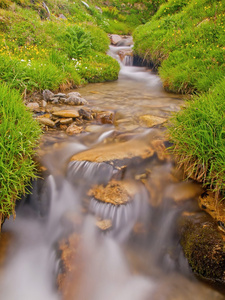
x=203 y=246
x=115 y=192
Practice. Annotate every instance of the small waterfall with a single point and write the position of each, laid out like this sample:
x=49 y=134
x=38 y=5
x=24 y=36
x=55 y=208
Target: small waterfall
x=128 y=60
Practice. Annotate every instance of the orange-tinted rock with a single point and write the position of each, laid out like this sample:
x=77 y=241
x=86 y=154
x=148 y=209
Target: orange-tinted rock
x=46 y=122
x=117 y=151
x=74 y=129
x=115 y=192
x=70 y=113
x=150 y=121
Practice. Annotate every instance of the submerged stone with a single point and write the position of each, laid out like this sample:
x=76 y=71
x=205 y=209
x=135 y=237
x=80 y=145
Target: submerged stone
x=150 y=121
x=74 y=129
x=104 y=224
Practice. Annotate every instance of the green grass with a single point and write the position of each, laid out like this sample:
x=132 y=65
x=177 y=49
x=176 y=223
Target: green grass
x=19 y=135
x=198 y=134
x=185 y=41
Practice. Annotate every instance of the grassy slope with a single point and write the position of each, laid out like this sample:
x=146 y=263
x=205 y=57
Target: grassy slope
x=186 y=42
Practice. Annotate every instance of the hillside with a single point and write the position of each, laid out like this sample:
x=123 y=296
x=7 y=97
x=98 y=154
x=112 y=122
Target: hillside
x=185 y=41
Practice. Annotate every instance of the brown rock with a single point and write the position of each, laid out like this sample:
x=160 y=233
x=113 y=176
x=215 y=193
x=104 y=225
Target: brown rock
x=123 y=53
x=85 y=114
x=115 y=38
x=184 y=190
x=47 y=95
x=74 y=129
x=66 y=121
x=75 y=100
x=104 y=224
x=150 y=121
x=33 y=105
x=120 y=151
x=71 y=113
x=106 y=117
x=75 y=94
x=63 y=127
x=115 y=192
x=215 y=207
x=46 y=122
x=5 y=240
x=93 y=128
x=43 y=103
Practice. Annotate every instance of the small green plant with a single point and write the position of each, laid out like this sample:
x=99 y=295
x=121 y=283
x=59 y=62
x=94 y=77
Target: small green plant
x=77 y=42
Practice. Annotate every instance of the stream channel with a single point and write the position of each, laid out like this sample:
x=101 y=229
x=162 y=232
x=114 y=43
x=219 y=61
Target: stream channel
x=103 y=223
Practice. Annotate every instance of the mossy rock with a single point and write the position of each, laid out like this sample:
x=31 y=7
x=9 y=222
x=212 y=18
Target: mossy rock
x=203 y=246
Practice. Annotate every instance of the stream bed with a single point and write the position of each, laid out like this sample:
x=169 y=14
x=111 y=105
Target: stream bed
x=104 y=222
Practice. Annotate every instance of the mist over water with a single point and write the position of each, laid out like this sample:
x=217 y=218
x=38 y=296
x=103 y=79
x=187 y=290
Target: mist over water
x=139 y=257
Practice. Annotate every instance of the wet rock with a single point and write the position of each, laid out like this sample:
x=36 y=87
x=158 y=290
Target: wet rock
x=104 y=224
x=203 y=245
x=59 y=95
x=115 y=38
x=127 y=41
x=106 y=117
x=113 y=152
x=54 y=100
x=63 y=127
x=85 y=114
x=47 y=95
x=160 y=149
x=75 y=100
x=73 y=94
x=5 y=241
x=150 y=121
x=46 y=122
x=183 y=191
x=33 y=106
x=115 y=192
x=66 y=121
x=43 y=103
x=71 y=113
x=123 y=53
x=214 y=206
x=74 y=129
x=71 y=252
x=93 y=128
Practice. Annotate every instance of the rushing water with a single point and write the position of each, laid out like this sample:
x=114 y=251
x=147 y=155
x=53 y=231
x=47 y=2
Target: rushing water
x=138 y=257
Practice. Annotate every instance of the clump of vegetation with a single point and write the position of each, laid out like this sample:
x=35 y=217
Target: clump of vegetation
x=19 y=134
x=198 y=134
x=185 y=42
